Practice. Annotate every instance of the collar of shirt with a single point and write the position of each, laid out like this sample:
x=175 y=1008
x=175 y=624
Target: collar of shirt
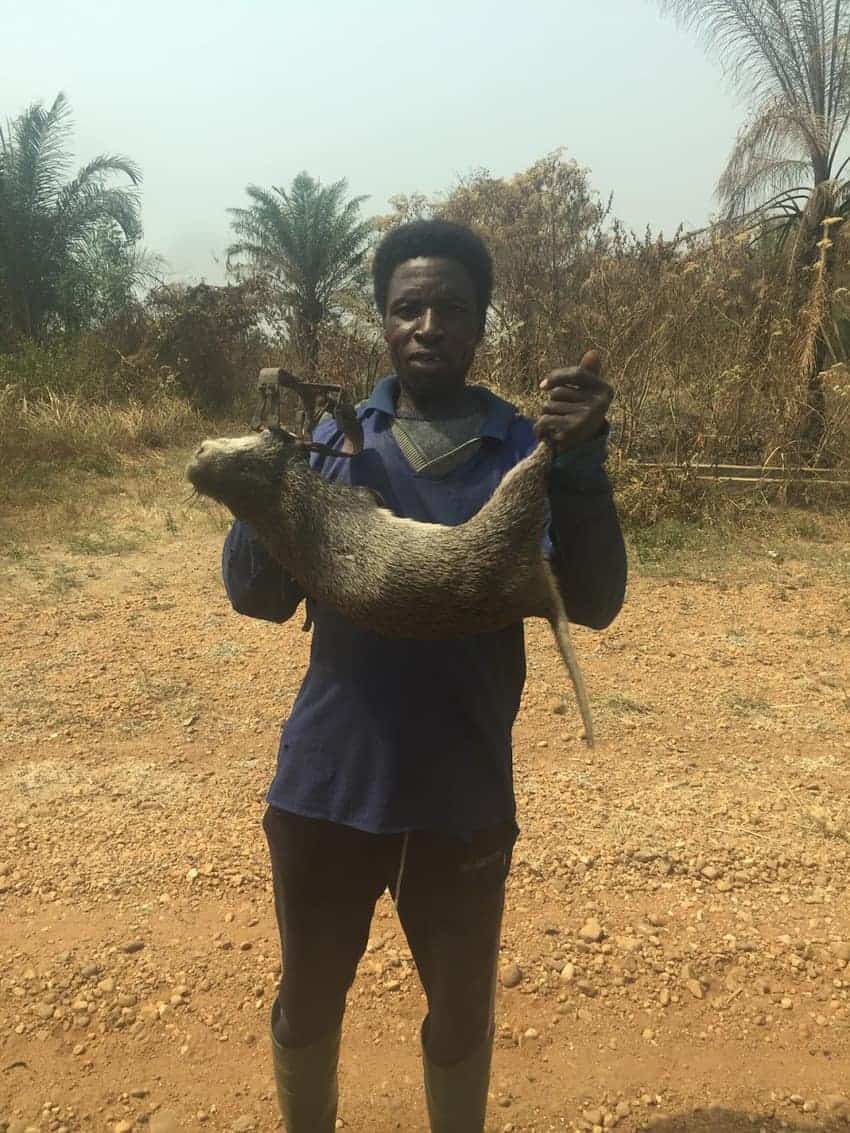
x=498 y=413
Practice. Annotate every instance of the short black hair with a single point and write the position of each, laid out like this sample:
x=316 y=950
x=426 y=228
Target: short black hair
x=441 y=238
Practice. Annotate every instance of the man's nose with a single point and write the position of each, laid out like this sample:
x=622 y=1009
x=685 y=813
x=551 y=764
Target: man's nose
x=430 y=326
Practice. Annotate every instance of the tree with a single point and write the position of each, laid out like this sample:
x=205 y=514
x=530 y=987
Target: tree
x=542 y=227
x=787 y=173
x=104 y=280
x=49 y=224
x=310 y=244
x=208 y=336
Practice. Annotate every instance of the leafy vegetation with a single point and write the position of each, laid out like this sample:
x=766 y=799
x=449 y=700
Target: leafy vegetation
x=727 y=345
x=786 y=180
x=67 y=244
x=308 y=244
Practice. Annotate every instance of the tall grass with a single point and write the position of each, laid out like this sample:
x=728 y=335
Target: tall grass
x=63 y=407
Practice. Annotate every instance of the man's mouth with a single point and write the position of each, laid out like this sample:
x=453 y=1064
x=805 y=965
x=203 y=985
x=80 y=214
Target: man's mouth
x=426 y=358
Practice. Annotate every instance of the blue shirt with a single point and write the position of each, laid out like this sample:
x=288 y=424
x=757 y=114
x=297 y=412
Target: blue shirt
x=391 y=734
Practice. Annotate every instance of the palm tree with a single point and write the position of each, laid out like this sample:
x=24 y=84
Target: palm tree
x=788 y=172
x=47 y=222
x=310 y=242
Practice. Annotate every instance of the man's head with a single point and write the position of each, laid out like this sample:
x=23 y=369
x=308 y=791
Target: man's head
x=433 y=281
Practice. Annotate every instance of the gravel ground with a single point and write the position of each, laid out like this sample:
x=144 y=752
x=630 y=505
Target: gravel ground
x=676 y=952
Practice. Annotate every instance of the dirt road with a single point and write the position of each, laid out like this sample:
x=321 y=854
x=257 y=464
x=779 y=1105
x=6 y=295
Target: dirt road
x=678 y=913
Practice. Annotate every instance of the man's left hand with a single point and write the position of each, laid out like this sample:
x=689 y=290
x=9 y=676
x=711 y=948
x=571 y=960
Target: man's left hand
x=578 y=402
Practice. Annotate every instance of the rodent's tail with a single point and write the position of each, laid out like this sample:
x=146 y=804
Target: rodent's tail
x=561 y=632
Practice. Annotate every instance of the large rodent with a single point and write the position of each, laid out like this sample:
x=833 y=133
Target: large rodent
x=398 y=577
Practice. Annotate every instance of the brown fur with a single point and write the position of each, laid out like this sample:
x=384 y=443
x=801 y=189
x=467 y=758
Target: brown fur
x=395 y=576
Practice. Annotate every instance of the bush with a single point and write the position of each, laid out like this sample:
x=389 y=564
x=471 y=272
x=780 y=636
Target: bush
x=39 y=436
x=209 y=338
x=77 y=402
x=647 y=496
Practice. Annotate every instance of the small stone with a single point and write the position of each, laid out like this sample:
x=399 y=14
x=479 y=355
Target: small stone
x=44 y=1010
x=648 y=1034
x=695 y=988
x=593 y=1116
x=664 y=997
x=511 y=975
x=841 y=950
x=622 y=1109
x=243 y=1124
x=591 y=930
x=133 y=946
x=724 y=885
x=123 y=1127
x=557 y=707
x=164 y=1121
x=786 y=1003
x=90 y=970
x=568 y=973
x=810 y=1106
x=531 y=1033
x=107 y=985
x=710 y=872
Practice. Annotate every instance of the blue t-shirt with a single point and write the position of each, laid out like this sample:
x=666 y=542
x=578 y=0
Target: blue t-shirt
x=393 y=734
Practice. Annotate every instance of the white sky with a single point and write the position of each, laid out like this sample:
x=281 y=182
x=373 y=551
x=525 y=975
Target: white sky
x=209 y=97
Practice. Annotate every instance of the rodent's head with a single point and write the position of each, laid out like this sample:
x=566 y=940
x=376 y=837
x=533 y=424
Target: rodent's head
x=244 y=473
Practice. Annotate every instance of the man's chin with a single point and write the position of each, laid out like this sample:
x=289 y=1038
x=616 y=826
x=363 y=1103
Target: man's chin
x=430 y=382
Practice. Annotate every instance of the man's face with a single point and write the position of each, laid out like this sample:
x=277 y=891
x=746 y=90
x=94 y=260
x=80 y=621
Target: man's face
x=432 y=326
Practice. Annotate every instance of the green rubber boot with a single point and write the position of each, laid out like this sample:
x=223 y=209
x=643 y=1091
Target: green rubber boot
x=306 y=1080
x=457 y=1095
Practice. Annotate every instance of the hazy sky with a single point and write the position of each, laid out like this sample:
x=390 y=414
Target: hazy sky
x=394 y=97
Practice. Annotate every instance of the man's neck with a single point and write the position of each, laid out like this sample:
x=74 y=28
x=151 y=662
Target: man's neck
x=458 y=403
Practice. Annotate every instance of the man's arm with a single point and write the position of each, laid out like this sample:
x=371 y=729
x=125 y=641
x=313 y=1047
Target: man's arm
x=256 y=585
x=589 y=555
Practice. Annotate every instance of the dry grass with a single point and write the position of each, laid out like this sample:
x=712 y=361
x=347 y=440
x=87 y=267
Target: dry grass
x=44 y=439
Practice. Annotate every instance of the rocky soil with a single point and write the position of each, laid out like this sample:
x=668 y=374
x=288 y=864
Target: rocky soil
x=676 y=953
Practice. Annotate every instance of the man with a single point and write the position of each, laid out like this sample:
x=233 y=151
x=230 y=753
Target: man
x=394 y=769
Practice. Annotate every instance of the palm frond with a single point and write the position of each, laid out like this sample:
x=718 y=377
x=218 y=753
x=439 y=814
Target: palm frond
x=309 y=239
x=47 y=220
